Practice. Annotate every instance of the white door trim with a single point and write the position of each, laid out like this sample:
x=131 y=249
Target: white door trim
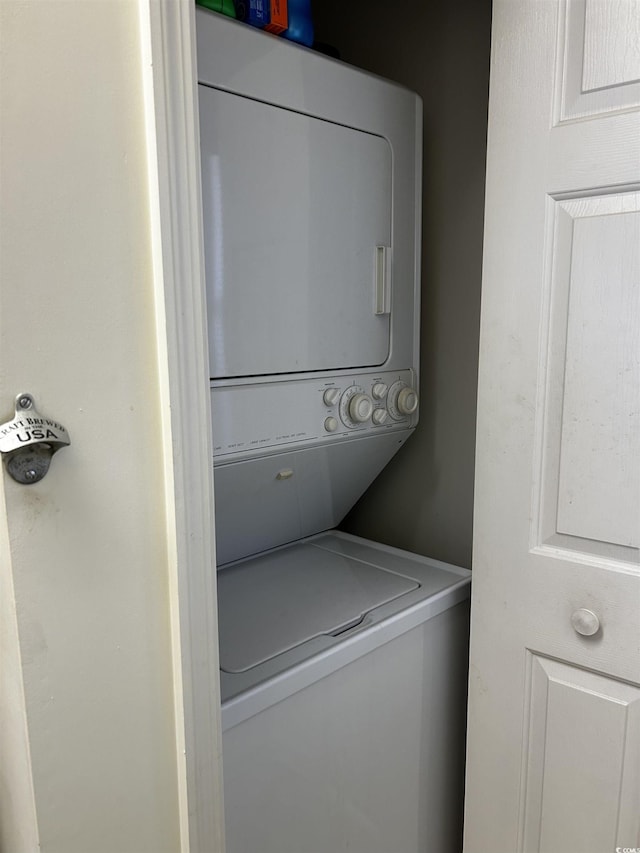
x=169 y=69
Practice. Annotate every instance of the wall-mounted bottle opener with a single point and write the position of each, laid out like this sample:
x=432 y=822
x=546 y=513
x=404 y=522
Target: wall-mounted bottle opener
x=28 y=442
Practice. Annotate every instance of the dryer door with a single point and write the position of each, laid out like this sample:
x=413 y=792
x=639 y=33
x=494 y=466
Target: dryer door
x=296 y=210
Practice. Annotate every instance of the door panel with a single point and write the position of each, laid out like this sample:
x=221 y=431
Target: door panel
x=295 y=209
x=598 y=57
x=582 y=780
x=554 y=739
x=600 y=434
x=590 y=431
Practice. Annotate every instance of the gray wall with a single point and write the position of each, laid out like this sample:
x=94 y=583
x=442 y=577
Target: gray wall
x=423 y=501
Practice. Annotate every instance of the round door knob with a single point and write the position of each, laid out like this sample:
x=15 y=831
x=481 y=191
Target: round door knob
x=379 y=390
x=585 y=622
x=331 y=396
x=379 y=416
x=360 y=408
x=407 y=401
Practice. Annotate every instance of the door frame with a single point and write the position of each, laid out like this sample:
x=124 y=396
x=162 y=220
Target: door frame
x=168 y=56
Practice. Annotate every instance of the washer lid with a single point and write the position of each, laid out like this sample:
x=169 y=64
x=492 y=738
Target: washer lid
x=276 y=602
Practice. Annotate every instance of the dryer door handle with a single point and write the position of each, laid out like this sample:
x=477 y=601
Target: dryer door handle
x=382 y=280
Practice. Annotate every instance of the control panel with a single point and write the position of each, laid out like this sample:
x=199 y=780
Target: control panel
x=254 y=418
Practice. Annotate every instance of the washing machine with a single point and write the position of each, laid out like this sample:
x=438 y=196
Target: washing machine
x=343 y=661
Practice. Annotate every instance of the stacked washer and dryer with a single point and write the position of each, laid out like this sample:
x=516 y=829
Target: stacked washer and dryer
x=343 y=661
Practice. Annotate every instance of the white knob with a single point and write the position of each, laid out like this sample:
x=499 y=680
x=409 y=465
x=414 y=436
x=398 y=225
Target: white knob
x=360 y=408
x=585 y=622
x=407 y=401
x=331 y=396
x=379 y=416
x=331 y=424
x=379 y=390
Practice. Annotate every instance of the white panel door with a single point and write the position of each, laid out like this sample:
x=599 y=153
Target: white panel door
x=553 y=756
x=297 y=228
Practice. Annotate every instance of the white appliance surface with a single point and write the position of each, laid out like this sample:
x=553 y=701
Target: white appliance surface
x=257 y=419
x=343 y=662
x=351 y=743
x=276 y=498
x=281 y=631
x=368 y=759
x=276 y=602
x=311 y=192
x=297 y=278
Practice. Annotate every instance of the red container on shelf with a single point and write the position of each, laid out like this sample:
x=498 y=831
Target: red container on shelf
x=279 y=20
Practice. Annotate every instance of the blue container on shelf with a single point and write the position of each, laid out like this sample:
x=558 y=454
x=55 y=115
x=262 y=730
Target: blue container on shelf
x=254 y=12
x=300 y=27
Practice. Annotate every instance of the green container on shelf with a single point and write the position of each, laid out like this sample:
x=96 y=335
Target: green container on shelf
x=226 y=7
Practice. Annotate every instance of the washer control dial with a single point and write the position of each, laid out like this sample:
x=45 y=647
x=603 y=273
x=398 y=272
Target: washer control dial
x=402 y=401
x=407 y=401
x=355 y=407
x=331 y=396
x=379 y=390
x=360 y=408
x=331 y=424
x=380 y=416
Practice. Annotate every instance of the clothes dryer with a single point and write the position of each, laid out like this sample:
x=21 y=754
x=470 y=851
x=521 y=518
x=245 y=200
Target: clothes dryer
x=311 y=188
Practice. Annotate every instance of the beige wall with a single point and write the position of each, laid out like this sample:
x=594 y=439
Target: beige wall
x=423 y=501
x=85 y=549
x=18 y=827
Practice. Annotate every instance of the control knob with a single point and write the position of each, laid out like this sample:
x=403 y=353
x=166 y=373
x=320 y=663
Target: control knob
x=379 y=416
x=360 y=408
x=331 y=396
x=401 y=401
x=407 y=401
x=379 y=390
